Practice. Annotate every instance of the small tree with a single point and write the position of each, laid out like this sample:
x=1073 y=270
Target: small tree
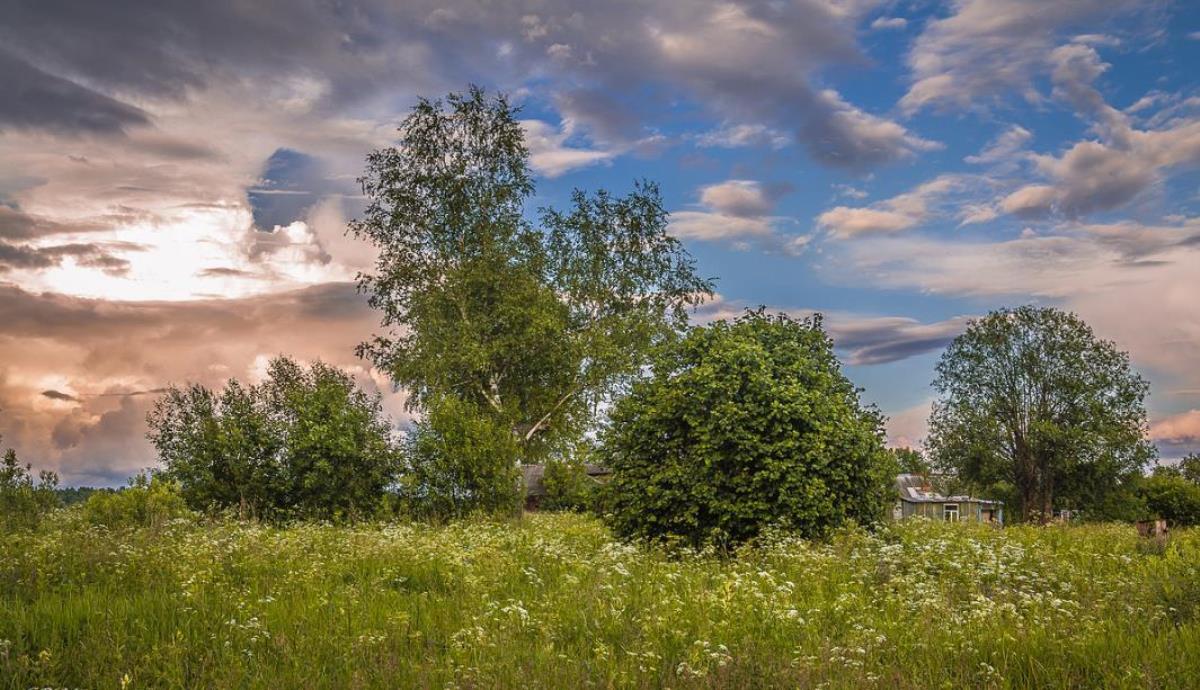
x=459 y=462
x=1031 y=397
x=742 y=425
x=530 y=328
x=307 y=441
x=24 y=499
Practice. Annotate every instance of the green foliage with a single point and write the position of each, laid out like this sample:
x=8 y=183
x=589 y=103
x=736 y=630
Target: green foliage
x=24 y=499
x=530 y=328
x=73 y=495
x=1030 y=397
x=148 y=501
x=305 y=442
x=1173 y=497
x=910 y=461
x=743 y=425
x=553 y=601
x=568 y=486
x=459 y=463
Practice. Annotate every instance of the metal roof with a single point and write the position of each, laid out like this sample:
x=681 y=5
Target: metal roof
x=915 y=488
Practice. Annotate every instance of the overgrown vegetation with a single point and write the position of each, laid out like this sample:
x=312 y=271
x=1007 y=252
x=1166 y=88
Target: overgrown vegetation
x=24 y=498
x=743 y=425
x=306 y=442
x=555 y=602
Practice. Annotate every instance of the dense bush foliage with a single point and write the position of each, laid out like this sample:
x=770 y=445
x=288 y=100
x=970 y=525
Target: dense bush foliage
x=745 y=424
x=148 y=501
x=24 y=498
x=568 y=486
x=305 y=442
x=554 y=602
x=1171 y=495
x=458 y=463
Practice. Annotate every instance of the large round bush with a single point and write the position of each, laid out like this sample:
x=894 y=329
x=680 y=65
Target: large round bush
x=743 y=425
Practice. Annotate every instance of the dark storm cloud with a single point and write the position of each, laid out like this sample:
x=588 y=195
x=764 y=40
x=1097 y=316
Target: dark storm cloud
x=33 y=99
x=752 y=61
x=98 y=256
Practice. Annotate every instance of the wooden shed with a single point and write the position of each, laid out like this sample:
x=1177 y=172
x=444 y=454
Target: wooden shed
x=915 y=496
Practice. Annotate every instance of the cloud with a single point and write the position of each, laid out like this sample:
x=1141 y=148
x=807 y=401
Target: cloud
x=742 y=198
x=744 y=135
x=34 y=99
x=74 y=393
x=1104 y=174
x=862 y=340
x=901 y=212
x=1003 y=149
x=878 y=340
x=987 y=48
x=1178 y=429
x=889 y=23
x=846 y=136
x=95 y=255
x=739 y=212
x=909 y=427
x=1134 y=284
x=551 y=155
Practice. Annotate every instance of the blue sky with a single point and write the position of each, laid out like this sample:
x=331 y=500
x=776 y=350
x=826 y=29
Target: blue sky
x=898 y=166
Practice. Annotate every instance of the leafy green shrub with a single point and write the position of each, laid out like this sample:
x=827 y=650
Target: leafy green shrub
x=568 y=486
x=1173 y=498
x=148 y=501
x=460 y=462
x=24 y=499
x=306 y=442
x=743 y=425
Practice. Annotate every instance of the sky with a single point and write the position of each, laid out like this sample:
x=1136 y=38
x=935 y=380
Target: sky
x=176 y=178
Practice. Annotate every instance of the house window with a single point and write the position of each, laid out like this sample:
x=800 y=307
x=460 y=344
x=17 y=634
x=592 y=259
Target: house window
x=950 y=512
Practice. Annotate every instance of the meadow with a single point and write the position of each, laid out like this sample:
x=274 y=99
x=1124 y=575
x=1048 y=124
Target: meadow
x=553 y=601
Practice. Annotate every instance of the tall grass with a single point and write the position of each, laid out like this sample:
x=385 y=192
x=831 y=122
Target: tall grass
x=553 y=602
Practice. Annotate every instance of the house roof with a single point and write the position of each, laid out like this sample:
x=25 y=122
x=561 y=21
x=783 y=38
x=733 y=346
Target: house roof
x=534 y=474
x=915 y=488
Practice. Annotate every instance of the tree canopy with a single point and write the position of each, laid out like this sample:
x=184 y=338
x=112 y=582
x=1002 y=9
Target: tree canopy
x=744 y=424
x=1031 y=397
x=529 y=326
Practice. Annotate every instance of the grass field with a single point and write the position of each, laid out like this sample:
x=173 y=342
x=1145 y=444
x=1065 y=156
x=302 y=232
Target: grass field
x=553 y=602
